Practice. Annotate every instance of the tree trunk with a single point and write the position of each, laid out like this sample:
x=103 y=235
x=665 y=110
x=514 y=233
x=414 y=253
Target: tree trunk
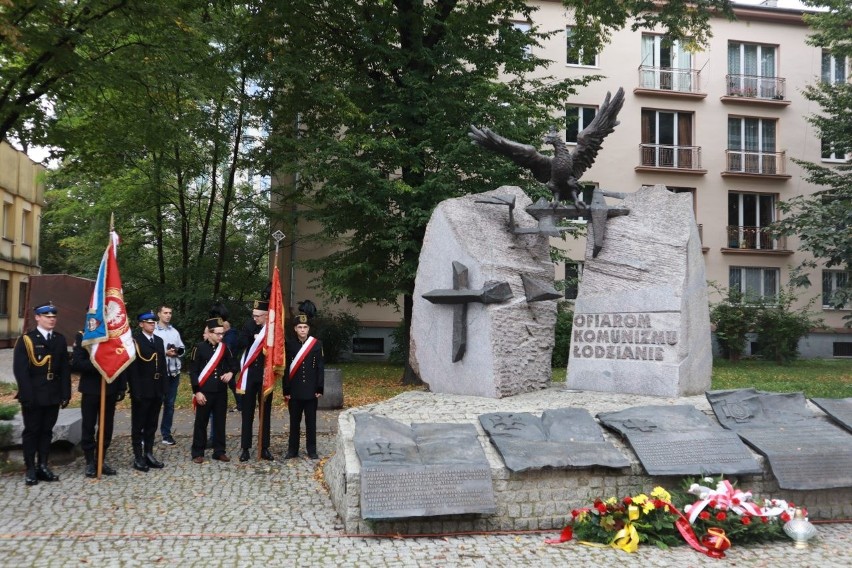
x=409 y=377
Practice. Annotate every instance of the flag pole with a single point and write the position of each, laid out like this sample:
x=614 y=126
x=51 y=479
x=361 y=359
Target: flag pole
x=102 y=416
x=278 y=236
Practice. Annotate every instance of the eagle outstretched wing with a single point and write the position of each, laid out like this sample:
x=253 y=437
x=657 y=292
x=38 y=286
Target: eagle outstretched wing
x=522 y=154
x=590 y=140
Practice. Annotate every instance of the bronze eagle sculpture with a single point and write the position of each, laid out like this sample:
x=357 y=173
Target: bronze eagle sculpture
x=561 y=172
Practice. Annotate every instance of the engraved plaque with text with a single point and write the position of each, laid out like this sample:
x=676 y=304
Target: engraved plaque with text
x=840 y=409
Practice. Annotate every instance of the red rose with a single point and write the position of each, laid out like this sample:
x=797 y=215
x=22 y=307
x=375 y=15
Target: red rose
x=712 y=504
x=785 y=517
x=703 y=515
x=746 y=520
x=735 y=501
x=764 y=519
x=600 y=507
x=628 y=500
x=721 y=516
x=575 y=513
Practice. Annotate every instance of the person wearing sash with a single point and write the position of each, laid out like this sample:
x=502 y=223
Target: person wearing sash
x=303 y=385
x=211 y=366
x=40 y=366
x=250 y=381
x=146 y=376
x=90 y=406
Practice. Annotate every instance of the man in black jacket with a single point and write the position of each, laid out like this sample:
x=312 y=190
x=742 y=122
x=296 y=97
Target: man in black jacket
x=146 y=376
x=304 y=382
x=211 y=366
x=252 y=341
x=40 y=365
x=90 y=405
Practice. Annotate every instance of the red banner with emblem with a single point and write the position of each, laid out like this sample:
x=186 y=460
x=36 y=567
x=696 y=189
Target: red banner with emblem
x=274 y=336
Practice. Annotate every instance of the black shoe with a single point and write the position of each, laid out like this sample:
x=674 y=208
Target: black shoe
x=44 y=474
x=31 y=478
x=169 y=441
x=267 y=455
x=153 y=462
x=291 y=455
x=107 y=470
x=313 y=455
x=91 y=469
x=139 y=464
x=244 y=455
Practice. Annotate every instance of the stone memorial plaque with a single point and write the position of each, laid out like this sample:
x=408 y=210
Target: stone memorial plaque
x=805 y=451
x=561 y=438
x=840 y=410
x=421 y=470
x=680 y=440
x=805 y=457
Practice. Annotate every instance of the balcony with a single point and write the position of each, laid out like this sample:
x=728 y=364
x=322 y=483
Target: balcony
x=753 y=89
x=669 y=82
x=662 y=157
x=743 y=239
x=744 y=163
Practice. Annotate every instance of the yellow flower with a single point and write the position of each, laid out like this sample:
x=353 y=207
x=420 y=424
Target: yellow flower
x=661 y=493
x=611 y=501
x=640 y=499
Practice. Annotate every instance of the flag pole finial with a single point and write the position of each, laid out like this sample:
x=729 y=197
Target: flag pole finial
x=111 y=222
x=278 y=236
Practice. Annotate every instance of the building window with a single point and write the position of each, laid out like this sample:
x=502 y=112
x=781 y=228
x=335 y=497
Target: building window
x=4 y=298
x=832 y=282
x=573 y=274
x=26 y=226
x=752 y=71
x=751 y=145
x=833 y=68
x=665 y=64
x=667 y=139
x=524 y=27
x=754 y=282
x=577 y=118
x=22 y=299
x=830 y=153
x=8 y=225
x=842 y=349
x=576 y=55
x=368 y=345
x=749 y=216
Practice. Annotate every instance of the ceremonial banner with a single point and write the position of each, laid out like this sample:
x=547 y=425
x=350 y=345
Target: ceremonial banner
x=274 y=336
x=106 y=333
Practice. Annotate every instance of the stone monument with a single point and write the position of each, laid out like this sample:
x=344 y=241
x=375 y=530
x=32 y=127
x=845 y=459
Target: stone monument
x=480 y=330
x=641 y=318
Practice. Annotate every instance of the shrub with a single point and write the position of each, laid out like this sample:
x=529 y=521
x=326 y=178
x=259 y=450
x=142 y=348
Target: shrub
x=336 y=331
x=779 y=328
x=399 y=351
x=562 y=345
x=733 y=318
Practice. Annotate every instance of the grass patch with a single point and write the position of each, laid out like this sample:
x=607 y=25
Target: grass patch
x=817 y=378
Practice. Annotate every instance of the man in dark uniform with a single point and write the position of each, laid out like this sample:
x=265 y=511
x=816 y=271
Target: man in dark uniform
x=252 y=363
x=211 y=366
x=90 y=405
x=304 y=382
x=40 y=365
x=146 y=376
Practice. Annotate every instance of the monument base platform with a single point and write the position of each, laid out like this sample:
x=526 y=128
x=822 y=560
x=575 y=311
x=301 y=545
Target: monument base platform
x=540 y=499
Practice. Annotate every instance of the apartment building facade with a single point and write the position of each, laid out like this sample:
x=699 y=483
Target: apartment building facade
x=721 y=124
x=22 y=195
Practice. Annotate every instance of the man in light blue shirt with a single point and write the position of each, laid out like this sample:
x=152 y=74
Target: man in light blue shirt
x=174 y=350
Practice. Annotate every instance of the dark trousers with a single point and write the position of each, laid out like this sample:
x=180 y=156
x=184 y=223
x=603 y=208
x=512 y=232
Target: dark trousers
x=144 y=415
x=251 y=400
x=38 y=432
x=90 y=408
x=309 y=409
x=217 y=406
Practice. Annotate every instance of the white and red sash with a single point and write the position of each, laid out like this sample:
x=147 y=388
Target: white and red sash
x=211 y=365
x=300 y=356
x=249 y=357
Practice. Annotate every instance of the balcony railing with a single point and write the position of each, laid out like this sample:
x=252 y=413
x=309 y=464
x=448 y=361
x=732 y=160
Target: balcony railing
x=755 y=87
x=754 y=238
x=759 y=163
x=669 y=79
x=665 y=156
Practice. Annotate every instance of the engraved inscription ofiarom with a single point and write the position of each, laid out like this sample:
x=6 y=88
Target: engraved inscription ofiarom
x=621 y=336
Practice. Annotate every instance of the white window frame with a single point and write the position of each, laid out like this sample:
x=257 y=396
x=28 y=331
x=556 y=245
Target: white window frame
x=834 y=276
x=525 y=27
x=580 y=55
x=652 y=70
x=763 y=293
x=581 y=125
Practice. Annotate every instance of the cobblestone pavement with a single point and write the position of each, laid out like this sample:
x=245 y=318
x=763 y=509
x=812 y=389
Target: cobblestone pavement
x=279 y=514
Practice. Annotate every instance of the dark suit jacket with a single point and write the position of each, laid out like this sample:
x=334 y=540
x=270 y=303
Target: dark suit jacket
x=49 y=360
x=309 y=379
x=198 y=359
x=90 y=377
x=147 y=373
x=255 y=370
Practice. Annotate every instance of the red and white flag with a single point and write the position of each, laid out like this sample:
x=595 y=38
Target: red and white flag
x=274 y=336
x=107 y=333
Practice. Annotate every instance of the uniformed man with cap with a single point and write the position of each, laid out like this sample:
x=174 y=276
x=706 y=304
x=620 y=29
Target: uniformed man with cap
x=211 y=366
x=304 y=382
x=40 y=365
x=146 y=376
x=250 y=382
x=90 y=406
